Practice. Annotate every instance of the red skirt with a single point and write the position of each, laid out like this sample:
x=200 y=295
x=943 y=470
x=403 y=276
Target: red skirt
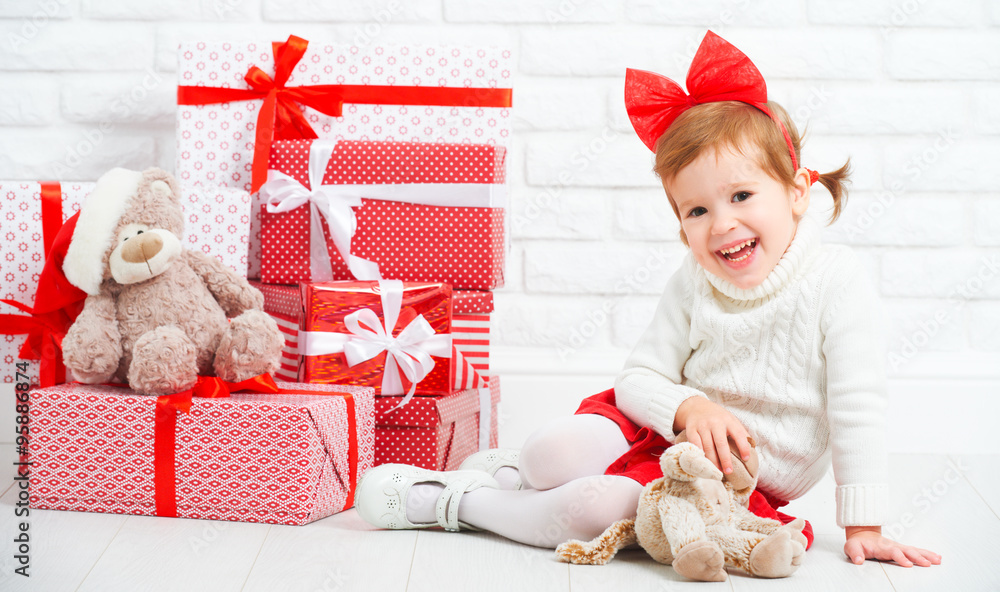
x=642 y=461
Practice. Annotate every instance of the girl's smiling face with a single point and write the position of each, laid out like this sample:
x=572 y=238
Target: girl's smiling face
x=738 y=219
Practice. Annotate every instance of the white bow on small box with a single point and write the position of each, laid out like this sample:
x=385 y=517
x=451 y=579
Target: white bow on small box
x=409 y=352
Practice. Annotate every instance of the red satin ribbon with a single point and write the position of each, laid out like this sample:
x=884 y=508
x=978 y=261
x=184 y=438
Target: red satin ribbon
x=718 y=72
x=165 y=432
x=45 y=326
x=281 y=117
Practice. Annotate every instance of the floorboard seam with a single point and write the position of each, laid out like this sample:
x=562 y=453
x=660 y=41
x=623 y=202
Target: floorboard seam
x=103 y=551
x=413 y=558
x=975 y=489
x=256 y=557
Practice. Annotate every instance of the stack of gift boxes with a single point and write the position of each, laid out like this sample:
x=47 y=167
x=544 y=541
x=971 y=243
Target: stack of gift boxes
x=362 y=190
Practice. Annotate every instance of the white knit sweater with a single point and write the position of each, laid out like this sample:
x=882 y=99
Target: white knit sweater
x=799 y=360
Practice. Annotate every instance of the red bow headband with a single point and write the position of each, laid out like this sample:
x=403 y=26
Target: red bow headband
x=718 y=72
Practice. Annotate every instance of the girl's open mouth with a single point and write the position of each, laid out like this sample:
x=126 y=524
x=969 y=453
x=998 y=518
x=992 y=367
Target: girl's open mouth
x=739 y=253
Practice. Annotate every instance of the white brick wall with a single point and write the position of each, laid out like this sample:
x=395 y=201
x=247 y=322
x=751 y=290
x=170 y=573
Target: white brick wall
x=909 y=89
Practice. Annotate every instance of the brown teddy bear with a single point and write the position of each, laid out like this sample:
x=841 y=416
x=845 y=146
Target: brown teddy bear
x=157 y=315
x=698 y=522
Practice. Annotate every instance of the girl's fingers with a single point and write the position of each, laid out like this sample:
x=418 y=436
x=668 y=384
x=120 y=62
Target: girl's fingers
x=708 y=445
x=899 y=557
x=721 y=440
x=742 y=439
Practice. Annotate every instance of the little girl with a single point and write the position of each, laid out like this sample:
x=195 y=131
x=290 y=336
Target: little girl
x=762 y=332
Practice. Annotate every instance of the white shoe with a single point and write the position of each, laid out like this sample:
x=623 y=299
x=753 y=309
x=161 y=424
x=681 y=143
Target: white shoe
x=491 y=461
x=381 y=495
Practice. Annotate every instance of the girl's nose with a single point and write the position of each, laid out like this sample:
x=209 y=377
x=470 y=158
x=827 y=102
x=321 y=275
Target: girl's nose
x=723 y=222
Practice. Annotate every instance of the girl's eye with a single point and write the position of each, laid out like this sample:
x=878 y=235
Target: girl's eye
x=741 y=196
x=697 y=212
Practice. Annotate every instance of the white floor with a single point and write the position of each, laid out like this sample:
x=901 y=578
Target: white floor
x=950 y=504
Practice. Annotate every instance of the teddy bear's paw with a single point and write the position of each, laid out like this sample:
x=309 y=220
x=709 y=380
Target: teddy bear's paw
x=250 y=346
x=164 y=361
x=777 y=556
x=91 y=353
x=702 y=561
x=794 y=528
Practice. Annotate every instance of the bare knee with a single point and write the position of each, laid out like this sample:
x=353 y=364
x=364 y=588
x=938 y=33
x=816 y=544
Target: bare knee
x=569 y=448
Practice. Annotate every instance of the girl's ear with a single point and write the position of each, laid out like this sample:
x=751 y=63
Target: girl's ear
x=800 y=192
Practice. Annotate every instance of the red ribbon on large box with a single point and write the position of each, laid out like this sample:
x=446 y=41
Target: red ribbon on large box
x=164 y=435
x=281 y=117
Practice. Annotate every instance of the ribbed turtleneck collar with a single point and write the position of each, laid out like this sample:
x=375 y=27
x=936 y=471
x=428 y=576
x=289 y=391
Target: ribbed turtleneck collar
x=804 y=245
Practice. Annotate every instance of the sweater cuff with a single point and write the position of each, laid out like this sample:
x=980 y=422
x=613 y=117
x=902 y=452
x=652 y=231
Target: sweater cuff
x=862 y=505
x=662 y=410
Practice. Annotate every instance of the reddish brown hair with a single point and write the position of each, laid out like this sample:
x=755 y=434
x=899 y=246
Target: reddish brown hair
x=739 y=126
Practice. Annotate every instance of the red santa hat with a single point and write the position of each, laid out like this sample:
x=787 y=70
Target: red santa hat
x=100 y=213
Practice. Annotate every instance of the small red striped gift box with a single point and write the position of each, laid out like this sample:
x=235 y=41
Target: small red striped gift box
x=470 y=330
x=437 y=433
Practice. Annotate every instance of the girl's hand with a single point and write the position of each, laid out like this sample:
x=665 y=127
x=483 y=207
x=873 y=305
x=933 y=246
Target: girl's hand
x=709 y=427
x=867 y=542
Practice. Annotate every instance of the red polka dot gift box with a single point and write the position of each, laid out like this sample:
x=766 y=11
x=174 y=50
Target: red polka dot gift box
x=437 y=433
x=391 y=335
x=470 y=331
x=289 y=457
x=216 y=221
x=371 y=210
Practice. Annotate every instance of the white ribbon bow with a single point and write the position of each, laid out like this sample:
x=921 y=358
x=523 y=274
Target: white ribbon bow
x=330 y=202
x=409 y=352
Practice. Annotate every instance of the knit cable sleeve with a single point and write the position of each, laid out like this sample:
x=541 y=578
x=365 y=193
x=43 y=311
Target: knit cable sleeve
x=854 y=348
x=649 y=389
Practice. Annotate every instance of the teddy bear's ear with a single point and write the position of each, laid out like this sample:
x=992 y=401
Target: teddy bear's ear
x=161 y=184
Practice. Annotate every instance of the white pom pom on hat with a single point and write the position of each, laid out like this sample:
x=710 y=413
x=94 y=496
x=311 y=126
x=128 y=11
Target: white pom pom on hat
x=99 y=216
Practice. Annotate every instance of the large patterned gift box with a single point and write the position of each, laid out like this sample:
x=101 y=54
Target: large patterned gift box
x=287 y=458
x=368 y=210
x=470 y=329
x=392 y=335
x=236 y=98
x=437 y=433
x=217 y=221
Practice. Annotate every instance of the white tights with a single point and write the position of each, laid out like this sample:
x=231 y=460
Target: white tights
x=566 y=494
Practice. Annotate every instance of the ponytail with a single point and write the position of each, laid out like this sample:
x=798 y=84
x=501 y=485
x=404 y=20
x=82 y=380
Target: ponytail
x=836 y=183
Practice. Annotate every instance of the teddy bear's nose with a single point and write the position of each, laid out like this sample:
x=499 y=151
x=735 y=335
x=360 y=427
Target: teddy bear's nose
x=141 y=248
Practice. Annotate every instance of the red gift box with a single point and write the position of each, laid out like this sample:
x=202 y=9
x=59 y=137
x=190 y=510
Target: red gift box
x=437 y=433
x=391 y=335
x=470 y=330
x=408 y=211
x=254 y=457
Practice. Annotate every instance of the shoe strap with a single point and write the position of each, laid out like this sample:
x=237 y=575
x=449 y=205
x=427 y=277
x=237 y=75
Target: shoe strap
x=446 y=510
